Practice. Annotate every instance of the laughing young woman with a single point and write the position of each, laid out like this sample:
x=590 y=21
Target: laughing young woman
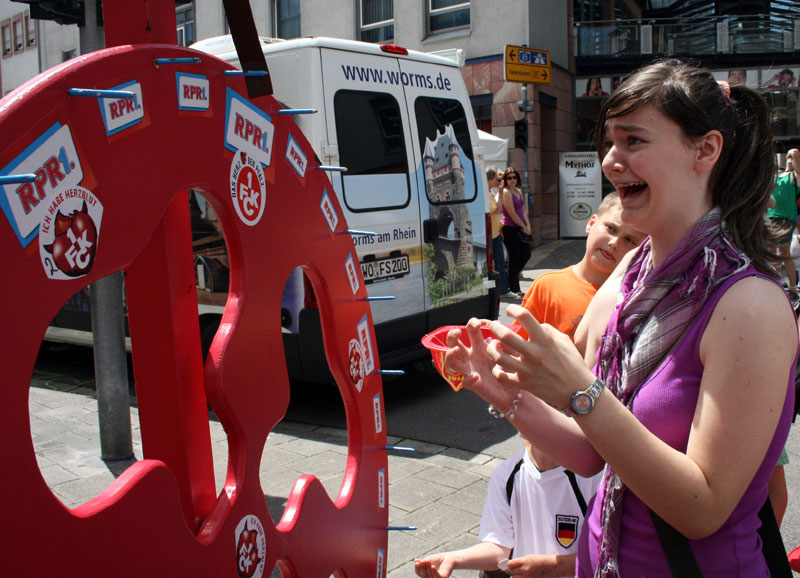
x=689 y=402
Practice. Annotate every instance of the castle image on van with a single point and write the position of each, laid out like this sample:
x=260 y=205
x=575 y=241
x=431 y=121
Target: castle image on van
x=444 y=180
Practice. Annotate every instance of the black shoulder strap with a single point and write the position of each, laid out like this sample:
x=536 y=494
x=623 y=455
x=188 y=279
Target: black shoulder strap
x=772 y=543
x=510 y=481
x=680 y=557
x=577 y=491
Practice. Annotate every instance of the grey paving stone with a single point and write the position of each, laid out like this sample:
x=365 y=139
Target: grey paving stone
x=404 y=546
x=304 y=447
x=470 y=498
x=413 y=493
x=450 y=477
x=323 y=465
x=77 y=492
x=403 y=466
x=422 y=449
x=439 y=523
x=54 y=475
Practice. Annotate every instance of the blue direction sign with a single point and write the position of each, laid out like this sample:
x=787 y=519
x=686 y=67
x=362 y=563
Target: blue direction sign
x=523 y=64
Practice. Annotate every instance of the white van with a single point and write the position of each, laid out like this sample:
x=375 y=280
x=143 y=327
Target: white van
x=402 y=125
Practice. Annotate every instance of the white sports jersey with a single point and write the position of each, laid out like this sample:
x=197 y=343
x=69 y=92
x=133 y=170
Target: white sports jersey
x=544 y=516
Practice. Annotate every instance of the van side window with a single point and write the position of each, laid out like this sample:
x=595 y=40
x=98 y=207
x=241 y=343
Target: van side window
x=446 y=151
x=372 y=146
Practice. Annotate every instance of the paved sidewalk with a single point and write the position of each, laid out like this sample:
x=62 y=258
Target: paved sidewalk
x=438 y=489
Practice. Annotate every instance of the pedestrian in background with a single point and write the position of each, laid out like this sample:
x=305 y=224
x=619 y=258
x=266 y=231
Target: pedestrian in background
x=782 y=215
x=496 y=184
x=516 y=229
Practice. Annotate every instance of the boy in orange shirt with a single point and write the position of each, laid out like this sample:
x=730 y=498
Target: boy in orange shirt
x=560 y=298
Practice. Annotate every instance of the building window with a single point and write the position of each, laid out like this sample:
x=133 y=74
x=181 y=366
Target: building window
x=68 y=54
x=483 y=117
x=184 y=20
x=447 y=14
x=19 y=34
x=377 y=20
x=30 y=31
x=287 y=18
x=5 y=32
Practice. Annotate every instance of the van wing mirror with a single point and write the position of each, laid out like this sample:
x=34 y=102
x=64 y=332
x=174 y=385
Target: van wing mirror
x=430 y=230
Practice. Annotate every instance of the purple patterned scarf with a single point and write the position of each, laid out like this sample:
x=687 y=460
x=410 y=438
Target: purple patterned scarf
x=657 y=306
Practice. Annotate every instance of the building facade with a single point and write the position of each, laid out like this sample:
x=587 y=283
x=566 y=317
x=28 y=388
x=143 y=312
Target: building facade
x=592 y=45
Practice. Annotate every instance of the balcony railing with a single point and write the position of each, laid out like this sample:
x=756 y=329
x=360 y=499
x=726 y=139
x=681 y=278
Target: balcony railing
x=692 y=36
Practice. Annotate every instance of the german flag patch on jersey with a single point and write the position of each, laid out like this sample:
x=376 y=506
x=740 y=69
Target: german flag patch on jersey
x=566 y=530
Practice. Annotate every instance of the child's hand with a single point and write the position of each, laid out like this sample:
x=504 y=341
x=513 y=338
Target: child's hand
x=548 y=364
x=434 y=566
x=475 y=365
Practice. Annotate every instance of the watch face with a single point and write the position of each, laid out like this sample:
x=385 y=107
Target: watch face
x=582 y=402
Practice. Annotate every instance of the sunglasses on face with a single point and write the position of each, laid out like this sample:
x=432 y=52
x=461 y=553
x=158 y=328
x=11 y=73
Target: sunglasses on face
x=515 y=177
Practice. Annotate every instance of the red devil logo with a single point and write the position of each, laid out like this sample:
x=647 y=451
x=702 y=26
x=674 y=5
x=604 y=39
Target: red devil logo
x=75 y=242
x=247 y=552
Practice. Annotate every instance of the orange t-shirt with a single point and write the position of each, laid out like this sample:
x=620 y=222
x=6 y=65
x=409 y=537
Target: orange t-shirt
x=559 y=298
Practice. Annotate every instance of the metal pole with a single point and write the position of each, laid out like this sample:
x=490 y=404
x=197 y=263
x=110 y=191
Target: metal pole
x=108 y=324
x=524 y=107
x=110 y=368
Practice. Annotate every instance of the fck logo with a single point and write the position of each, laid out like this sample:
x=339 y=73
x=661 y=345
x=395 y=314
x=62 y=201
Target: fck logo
x=73 y=247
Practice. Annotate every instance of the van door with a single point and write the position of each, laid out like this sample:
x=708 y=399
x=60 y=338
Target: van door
x=450 y=180
x=369 y=133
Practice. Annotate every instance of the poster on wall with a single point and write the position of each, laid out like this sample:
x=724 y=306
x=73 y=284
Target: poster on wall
x=580 y=186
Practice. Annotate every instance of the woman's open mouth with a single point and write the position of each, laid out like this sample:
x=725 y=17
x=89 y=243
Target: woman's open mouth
x=629 y=190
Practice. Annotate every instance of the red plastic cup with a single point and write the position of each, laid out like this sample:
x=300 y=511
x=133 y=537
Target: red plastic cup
x=436 y=343
x=794 y=559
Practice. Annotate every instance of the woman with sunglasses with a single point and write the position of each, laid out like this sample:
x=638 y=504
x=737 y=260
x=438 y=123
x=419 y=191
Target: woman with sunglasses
x=515 y=224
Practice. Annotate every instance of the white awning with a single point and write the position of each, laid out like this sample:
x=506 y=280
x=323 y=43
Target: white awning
x=495 y=149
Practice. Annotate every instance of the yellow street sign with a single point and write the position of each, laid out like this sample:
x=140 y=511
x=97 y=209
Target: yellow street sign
x=523 y=64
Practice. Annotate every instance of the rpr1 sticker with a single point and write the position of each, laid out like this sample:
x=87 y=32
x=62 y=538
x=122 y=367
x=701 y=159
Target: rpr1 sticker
x=365 y=337
x=328 y=211
x=352 y=275
x=379 y=565
x=248 y=188
x=69 y=233
x=376 y=410
x=382 y=488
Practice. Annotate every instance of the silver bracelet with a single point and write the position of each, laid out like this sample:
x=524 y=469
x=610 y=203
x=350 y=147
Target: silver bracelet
x=494 y=412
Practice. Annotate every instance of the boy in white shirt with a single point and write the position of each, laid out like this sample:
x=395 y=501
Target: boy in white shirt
x=532 y=505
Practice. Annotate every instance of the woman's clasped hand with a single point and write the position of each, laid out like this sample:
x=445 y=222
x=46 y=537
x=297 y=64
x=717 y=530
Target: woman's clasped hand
x=547 y=365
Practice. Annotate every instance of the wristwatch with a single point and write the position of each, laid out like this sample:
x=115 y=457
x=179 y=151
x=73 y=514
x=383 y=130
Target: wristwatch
x=582 y=401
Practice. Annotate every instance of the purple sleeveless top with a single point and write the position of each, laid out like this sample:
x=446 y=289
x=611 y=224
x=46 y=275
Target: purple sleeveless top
x=508 y=221
x=672 y=390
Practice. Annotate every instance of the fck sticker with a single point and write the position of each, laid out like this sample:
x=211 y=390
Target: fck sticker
x=69 y=233
x=251 y=547
x=248 y=188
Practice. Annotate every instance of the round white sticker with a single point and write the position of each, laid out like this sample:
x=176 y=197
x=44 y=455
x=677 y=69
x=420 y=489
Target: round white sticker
x=248 y=188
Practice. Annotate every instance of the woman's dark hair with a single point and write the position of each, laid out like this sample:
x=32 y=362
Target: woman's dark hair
x=512 y=171
x=744 y=177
